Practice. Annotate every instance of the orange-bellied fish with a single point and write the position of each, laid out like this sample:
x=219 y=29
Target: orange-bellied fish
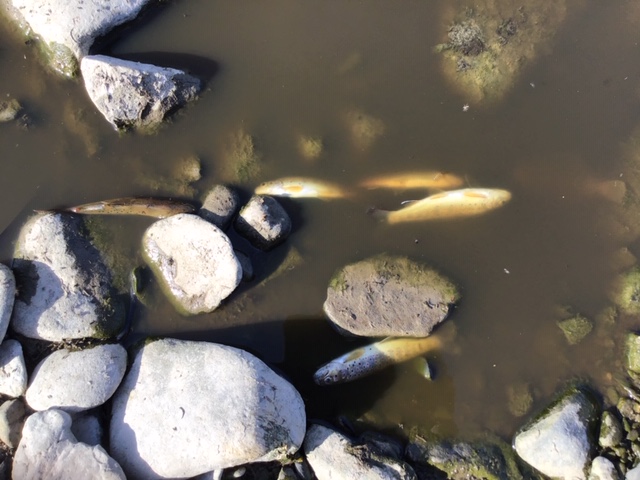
x=371 y=358
x=301 y=187
x=150 y=207
x=413 y=180
x=452 y=204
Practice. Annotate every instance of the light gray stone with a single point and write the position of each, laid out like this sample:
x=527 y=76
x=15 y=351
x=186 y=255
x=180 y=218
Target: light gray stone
x=77 y=380
x=68 y=28
x=568 y=424
x=603 y=469
x=389 y=295
x=214 y=405
x=193 y=260
x=220 y=205
x=633 y=474
x=12 y=417
x=133 y=95
x=64 y=287
x=263 y=222
x=7 y=298
x=49 y=450
x=332 y=455
x=13 y=371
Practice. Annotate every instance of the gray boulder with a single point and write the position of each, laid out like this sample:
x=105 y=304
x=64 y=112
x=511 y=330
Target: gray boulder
x=7 y=298
x=77 y=380
x=603 y=469
x=68 y=28
x=133 y=95
x=570 y=422
x=333 y=455
x=12 y=416
x=214 y=405
x=13 y=371
x=49 y=450
x=389 y=296
x=193 y=260
x=65 y=287
x=220 y=205
x=263 y=222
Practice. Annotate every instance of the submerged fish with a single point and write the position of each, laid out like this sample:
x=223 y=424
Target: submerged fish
x=371 y=358
x=451 y=204
x=299 y=187
x=413 y=180
x=150 y=207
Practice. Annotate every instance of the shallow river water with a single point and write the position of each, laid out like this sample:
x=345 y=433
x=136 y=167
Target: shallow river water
x=283 y=68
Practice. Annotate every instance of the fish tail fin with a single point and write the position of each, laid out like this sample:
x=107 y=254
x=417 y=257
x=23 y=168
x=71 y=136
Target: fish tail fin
x=446 y=335
x=382 y=215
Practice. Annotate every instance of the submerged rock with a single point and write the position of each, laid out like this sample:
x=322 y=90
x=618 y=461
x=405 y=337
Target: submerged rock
x=49 y=450
x=626 y=291
x=575 y=328
x=220 y=205
x=64 y=286
x=193 y=260
x=242 y=158
x=570 y=422
x=77 y=380
x=389 y=296
x=9 y=110
x=68 y=28
x=218 y=406
x=263 y=222
x=364 y=129
x=133 y=95
x=490 y=459
x=333 y=455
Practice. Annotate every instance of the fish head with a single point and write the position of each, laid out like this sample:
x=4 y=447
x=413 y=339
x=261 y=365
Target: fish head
x=329 y=374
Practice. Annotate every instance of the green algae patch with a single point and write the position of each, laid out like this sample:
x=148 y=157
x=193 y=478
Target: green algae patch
x=388 y=295
x=626 y=291
x=242 y=158
x=575 y=328
x=486 y=47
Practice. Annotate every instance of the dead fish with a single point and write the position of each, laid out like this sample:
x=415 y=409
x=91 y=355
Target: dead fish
x=150 y=207
x=413 y=180
x=371 y=358
x=301 y=187
x=452 y=204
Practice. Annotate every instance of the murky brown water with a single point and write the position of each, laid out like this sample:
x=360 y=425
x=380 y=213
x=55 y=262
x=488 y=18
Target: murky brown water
x=283 y=68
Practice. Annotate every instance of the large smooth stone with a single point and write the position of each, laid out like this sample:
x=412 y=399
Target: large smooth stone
x=77 y=380
x=186 y=408
x=389 y=296
x=194 y=261
x=65 y=289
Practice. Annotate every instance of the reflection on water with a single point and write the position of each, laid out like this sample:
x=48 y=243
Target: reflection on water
x=285 y=72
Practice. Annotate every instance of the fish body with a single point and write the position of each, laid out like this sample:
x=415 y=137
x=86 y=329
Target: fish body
x=150 y=207
x=452 y=204
x=414 y=180
x=366 y=360
x=301 y=187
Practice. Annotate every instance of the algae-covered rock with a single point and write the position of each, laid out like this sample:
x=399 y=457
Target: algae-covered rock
x=626 y=291
x=9 y=110
x=519 y=398
x=570 y=421
x=389 y=296
x=364 y=128
x=243 y=160
x=632 y=350
x=487 y=43
x=611 y=432
x=575 y=328
x=489 y=459
x=310 y=147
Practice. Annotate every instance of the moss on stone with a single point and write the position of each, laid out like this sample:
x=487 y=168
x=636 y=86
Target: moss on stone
x=242 y=157
x=575 y=328
x=626 y=292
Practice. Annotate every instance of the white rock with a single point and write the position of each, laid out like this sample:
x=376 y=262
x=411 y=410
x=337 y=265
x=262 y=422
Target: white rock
x=186 y=408
x=7 y=298
x=77 y=380
x=332 y=455
x=566 y=424
x=68 y=28
x=633 y=474
x=65 y=288
x=194 y=261
x=49 y=450
x=133 y=94
x=603 y=469
x=13 y=371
